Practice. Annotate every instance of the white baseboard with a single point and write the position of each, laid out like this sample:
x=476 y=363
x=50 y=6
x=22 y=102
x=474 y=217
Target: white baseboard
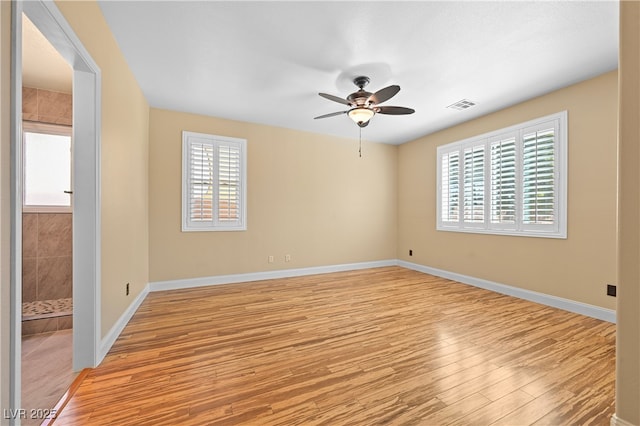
x=269 y=275
x=617 y=421
x=113 y=334
x=608 y=315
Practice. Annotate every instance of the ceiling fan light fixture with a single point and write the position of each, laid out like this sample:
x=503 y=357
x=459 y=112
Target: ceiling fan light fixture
x=361 y=115
x=364 y=105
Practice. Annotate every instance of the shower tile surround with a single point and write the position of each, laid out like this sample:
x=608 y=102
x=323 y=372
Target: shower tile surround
x=46 y=237
x=46 y=271
x=46 y=258
x=46 y=106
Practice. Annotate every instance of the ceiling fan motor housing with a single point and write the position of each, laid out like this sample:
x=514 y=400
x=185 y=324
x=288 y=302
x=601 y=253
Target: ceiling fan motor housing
x=359 y=98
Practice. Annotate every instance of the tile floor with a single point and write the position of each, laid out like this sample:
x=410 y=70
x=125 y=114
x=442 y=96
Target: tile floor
x=46 y=370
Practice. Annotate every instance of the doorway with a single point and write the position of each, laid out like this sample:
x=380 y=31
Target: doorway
x=47 y=216
x=86 y=335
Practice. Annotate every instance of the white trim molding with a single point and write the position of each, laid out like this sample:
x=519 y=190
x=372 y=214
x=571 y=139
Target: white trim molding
x=597 y=312
x=473 y=163
x=617 y=421
x=269 y=275
x=203 y=156
x=86 y=211
x=87 y=113
x=110 y=338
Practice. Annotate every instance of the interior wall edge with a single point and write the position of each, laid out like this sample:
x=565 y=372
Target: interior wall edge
x=5 y=208
x=627 y=392
x=617 y=421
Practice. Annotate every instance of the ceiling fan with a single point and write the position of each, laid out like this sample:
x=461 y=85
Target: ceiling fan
x=364 y=105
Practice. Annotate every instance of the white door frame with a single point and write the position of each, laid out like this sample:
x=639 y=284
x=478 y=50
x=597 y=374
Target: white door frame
x=86 y=186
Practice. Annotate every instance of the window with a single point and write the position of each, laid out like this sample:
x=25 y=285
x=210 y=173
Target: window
x=46 y=168
x=511 y=181
x=213 y=183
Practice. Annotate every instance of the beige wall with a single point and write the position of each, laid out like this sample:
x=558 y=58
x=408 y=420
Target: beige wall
x=5 y=207
x=124 y=165
x=576 y=268
x=309 y=196
x=628 y=330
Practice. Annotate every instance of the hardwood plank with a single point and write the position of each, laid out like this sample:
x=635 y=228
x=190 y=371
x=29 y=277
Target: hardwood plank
x=495 y=410
x=64 y=400
x=535 y=409
x=385 y=345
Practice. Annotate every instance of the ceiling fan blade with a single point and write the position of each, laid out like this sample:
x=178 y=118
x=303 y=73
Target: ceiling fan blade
x=384 y=94
x=334 y=98
x=333 y=114
x=394 y=110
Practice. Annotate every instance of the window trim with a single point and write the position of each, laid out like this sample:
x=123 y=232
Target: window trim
x=216 y=141
x=48 y=129
x=559 y=227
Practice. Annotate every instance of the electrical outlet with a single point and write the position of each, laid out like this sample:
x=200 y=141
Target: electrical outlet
x=127 y=289
x=270 y=259
x=287 y=258
x=611 y=290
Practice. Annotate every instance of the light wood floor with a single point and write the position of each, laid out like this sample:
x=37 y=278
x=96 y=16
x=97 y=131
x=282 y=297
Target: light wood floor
x=46 y=371
x=379 y=346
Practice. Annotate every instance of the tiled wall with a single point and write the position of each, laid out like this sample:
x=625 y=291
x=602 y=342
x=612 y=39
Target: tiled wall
x=46 y=256
x=47 y=267
x=46 y=237
x=46 y=106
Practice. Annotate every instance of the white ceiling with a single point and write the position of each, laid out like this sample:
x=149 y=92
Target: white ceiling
x=265 y=61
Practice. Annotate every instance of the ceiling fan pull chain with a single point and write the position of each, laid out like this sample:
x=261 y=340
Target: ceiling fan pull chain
x=360 y=140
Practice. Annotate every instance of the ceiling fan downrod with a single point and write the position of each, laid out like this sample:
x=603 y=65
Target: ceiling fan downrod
x=361 y=81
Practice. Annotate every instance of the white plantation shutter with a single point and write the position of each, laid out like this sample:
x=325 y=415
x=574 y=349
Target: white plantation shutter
x=538 y=176
x=201 y=181
x=503 y=180
x=511 y=181
x=450 y=164
x=229 y=185
x=214 y=194
x=473 y=184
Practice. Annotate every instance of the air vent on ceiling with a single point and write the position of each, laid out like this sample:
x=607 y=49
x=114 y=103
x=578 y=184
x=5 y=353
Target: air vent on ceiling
x=462 y=104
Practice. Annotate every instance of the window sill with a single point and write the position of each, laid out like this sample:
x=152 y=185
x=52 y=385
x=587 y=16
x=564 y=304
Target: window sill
x=507 y=232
